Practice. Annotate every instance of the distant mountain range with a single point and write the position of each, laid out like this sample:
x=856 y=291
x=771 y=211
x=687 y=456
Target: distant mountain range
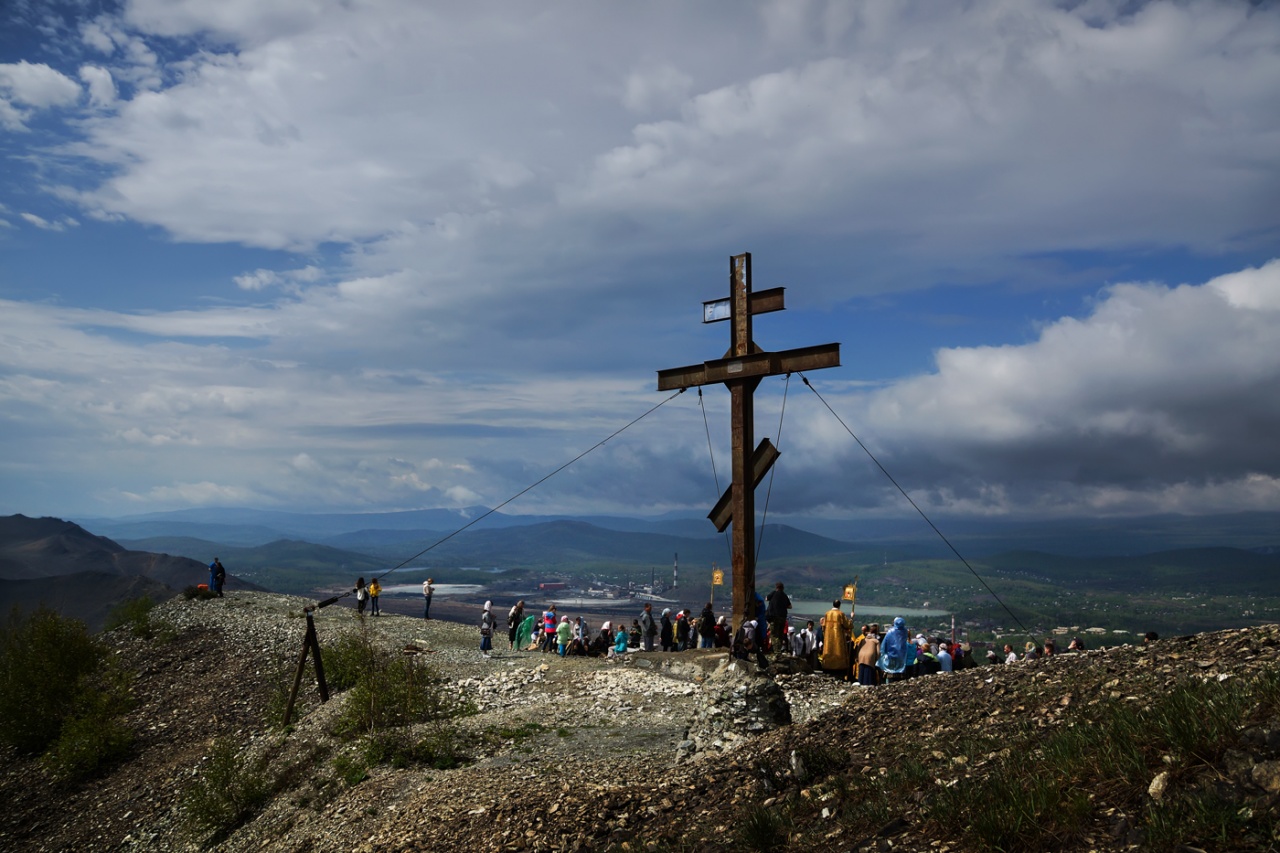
x=250 y=527
x=86 y=573
x=1224 y=570
x=297 y=552
x=60 y=564
x=553 y=547
x=387 y=532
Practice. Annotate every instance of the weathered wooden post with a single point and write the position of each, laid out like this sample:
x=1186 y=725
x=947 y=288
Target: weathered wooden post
x=741 y=369
x=310 y=643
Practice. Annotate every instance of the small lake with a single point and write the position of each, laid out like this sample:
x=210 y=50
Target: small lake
x=812 y=609
x=426 y=571
x=442 y=589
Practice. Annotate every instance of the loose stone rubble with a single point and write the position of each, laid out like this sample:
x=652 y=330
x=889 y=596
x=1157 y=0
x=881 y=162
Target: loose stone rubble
x=651 y=751
x=737 y=702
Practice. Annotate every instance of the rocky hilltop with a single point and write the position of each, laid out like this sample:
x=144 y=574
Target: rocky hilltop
x=58 y=564
x=1173 y=745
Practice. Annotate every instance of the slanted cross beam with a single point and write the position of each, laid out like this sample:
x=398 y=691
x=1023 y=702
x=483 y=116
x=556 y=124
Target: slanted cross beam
x=742 y=368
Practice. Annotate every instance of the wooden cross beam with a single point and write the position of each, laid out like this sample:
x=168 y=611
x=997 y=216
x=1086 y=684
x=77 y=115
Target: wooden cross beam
x=759 y=364
x=761 y=461
x=741 y=369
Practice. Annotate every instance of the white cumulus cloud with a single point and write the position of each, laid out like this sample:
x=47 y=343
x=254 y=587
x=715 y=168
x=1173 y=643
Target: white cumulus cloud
x=102 y=89
x=34 y=85
x=1160 y=400
x=444 y=246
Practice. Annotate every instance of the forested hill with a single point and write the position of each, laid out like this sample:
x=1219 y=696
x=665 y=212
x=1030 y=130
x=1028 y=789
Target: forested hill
x=1226 y=570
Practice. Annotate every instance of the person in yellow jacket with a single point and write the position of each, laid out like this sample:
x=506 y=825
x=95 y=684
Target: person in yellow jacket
x=836 y=630
x=375 y=589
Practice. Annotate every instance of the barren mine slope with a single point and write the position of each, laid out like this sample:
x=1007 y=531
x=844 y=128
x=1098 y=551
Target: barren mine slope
x=1150 y=747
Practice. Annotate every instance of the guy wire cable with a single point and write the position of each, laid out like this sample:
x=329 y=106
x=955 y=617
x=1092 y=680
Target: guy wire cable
x=959 y=556
x=532 y=486
x=711 y=452
x=764 y=517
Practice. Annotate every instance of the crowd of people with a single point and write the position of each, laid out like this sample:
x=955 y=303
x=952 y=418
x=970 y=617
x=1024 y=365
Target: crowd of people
x=549 y=631
x=871 y=656
x=875 y=656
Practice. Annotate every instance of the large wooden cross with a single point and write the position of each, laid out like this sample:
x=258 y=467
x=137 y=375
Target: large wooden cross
x=742 y=368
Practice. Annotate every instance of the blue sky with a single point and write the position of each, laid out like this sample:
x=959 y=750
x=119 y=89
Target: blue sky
x=381 y=254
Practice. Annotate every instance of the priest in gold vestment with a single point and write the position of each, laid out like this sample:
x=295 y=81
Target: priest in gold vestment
x=836 y=631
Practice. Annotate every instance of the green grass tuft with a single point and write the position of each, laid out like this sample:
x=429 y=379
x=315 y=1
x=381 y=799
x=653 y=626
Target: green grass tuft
x=764 y=830
x=61 y=696
x=229 y=789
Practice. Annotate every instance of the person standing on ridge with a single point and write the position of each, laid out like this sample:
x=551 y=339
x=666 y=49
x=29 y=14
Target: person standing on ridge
x=217 y=577
x=564 y=635
x=868 y=656
x=648 y=628
x=896 y=651
x=836 y=631
x=375 y=589
x=803 y=642
x=514 y=618
x=776 y=612
x=723 y=639
x=548 y=629
x=807 y=644
x=486 y=629
x=362 y=596
x=527 y=632
x=707 y=627
x=427 y=591
x=682 y=630
x=945 y=661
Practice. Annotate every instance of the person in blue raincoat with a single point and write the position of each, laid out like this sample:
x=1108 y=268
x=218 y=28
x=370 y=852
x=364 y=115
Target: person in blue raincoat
x=893 y=649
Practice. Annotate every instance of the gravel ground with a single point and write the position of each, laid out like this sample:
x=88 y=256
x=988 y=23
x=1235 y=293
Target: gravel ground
x=569 y=754
x=230 y=658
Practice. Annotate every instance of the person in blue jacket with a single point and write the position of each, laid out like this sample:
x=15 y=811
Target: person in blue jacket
x=894 y=649
x=620 y=641
x=217 y=577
